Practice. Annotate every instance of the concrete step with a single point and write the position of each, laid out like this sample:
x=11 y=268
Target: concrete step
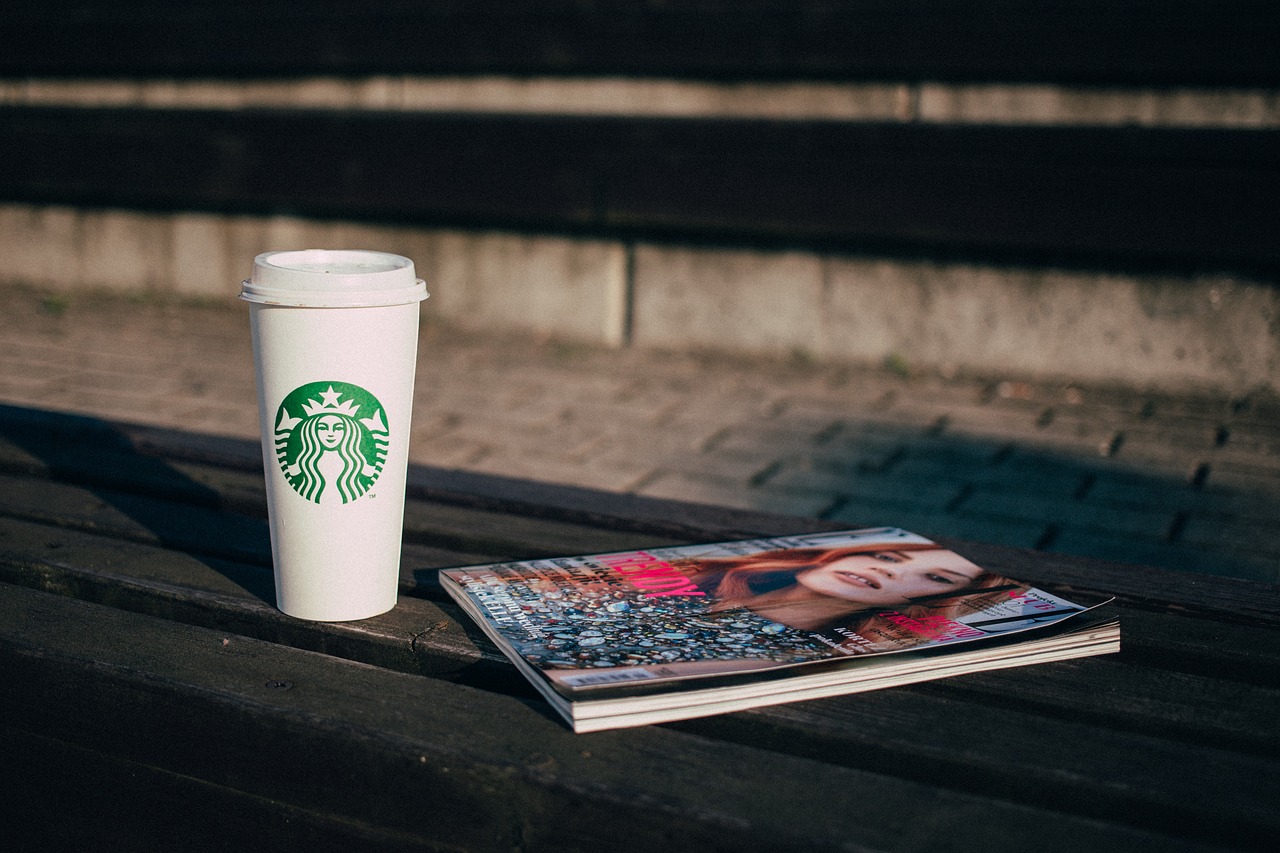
x=1157 y=330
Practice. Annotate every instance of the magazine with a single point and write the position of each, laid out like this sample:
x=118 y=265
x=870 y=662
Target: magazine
x=638 y=637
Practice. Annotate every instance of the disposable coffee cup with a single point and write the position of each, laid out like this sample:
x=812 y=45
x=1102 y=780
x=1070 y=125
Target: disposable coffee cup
x=335 y=343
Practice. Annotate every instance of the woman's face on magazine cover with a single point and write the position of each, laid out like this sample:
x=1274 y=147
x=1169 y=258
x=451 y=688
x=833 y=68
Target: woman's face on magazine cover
x=890 y=578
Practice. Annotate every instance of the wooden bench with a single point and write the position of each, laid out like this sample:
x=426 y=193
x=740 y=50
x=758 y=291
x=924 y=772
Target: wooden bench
x=155 y=697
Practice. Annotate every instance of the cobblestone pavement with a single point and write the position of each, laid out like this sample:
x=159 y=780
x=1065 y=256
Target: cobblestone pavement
x=1186 y=482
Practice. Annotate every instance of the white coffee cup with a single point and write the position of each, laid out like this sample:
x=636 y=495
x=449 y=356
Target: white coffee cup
x=335 y=344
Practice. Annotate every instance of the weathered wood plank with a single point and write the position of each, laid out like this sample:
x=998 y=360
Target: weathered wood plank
x=933 y=732
x=1197 y=710
x=417 y=636
x=1209 y=710
x=1135 y=42
x=1215 y=647
x=137 y=518
x=421 y=756
x=65 y=797
x=1171 y=197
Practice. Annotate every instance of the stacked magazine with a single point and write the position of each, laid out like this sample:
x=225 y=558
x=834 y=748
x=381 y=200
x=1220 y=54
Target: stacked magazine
x=649 y=636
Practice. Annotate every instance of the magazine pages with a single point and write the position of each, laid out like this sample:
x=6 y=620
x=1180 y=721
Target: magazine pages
x=661 y=634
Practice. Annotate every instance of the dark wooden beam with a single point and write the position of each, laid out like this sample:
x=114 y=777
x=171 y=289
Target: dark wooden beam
x=1127 y=42
x=1189 y=198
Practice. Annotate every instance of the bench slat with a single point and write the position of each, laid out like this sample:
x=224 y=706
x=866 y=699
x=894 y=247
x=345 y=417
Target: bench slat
x=422 y=756
x=105 y=801
x=1211 y=708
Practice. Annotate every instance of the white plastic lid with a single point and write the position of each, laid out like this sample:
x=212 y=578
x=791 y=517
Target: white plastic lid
x=333 y=278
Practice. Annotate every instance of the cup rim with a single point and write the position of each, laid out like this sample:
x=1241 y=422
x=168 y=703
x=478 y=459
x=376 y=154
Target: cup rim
x=332 y=278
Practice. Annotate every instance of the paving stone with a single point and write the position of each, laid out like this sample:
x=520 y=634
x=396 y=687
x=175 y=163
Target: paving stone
x=776 y=443
x=506 y=462
x=22 y=386
x=873 y=414
x=934 y=389
x=1083 y=435
x=848 y=410
x=1168 y=457
x=445 y=449
x=1260 y=480
x=1232 y=533
x=985 y=501
x=621 y=417
x=1204 y=407
x=836 y=441
x=1131 y=489
x=980 y=419
x=67 y=357
x=572 y=444
x=934 y=524
x=1260 y=408
x=680 y=486
x=1049 y=471
x=875 y=455
x=1062 y=482
x=843 y=390
x=976 y=450
x=1169 y=469
x=1031 y=429
x=888 y=489
x=27 y=353
x=1252 y=437
x=1262 y=458
x=1199 y=437
x=219 y=420
x=112 y=405
x=1139 y=551
x=1128 y=488
x=661 y=437
x=704 y=419
x=730 y=468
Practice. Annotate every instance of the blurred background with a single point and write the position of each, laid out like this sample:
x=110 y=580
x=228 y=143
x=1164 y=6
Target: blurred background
x=1069 y=187
x=1063 y=194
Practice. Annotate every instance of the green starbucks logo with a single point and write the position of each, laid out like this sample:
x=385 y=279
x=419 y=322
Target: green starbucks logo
x=331 y=440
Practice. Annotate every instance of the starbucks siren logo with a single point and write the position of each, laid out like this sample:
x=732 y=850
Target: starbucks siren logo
x=331 y=440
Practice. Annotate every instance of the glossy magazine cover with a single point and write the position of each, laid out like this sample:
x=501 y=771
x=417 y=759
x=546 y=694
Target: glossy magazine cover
x=642 y=618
